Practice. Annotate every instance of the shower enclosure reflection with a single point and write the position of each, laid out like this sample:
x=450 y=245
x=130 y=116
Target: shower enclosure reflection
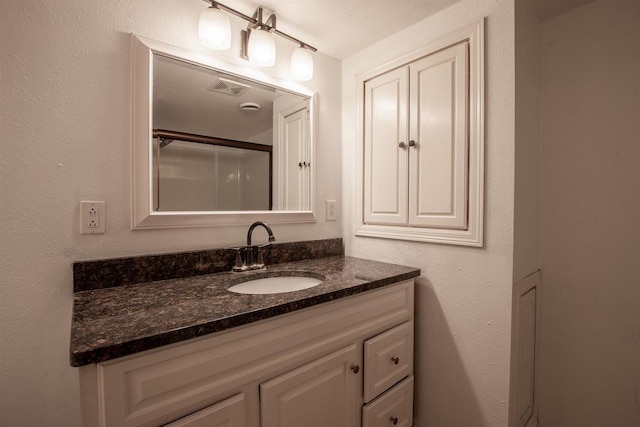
x=225 y=143
x=193 y=176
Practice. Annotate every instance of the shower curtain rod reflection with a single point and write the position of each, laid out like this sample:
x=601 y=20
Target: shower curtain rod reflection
x=169 y=135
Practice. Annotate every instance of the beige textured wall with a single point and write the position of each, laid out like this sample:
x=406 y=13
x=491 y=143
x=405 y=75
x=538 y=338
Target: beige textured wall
x=65 y=135
x=463 y=298
x=590 y=206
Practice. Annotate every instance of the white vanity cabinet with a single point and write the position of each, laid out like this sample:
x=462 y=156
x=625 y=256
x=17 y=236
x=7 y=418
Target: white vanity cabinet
x=310 y=368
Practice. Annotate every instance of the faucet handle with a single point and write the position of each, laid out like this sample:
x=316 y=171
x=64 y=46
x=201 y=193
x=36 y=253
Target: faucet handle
x=239 y=264
x=259 y=262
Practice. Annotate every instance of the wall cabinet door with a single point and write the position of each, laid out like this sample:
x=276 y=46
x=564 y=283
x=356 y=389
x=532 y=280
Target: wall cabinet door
x=322 y=393
x=438 y=128
x=385 y=148
x=415 y=143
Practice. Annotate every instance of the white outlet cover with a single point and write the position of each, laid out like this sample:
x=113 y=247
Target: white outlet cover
x=92 y=217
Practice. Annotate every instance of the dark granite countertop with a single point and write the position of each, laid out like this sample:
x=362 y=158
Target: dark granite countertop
x=122 y=320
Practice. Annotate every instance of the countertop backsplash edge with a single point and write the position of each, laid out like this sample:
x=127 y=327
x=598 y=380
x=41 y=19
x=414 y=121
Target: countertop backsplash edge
x=112 y=272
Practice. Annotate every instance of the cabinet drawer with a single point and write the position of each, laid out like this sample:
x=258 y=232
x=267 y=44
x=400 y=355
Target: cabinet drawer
x=393 y=409
x=230 y=412
x=388 y=358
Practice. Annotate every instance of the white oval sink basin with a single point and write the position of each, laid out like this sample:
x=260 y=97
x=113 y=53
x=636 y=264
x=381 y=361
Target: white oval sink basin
x=275 y=285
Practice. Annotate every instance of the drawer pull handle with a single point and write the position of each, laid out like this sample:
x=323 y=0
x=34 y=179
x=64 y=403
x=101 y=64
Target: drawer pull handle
x=355 y=368
x=394 y=420
x=395 y=360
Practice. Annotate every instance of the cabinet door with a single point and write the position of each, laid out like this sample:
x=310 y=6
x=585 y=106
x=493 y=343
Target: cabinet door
x=228 y=413
x=385 y=161
x=438 y=126
x=319 y=394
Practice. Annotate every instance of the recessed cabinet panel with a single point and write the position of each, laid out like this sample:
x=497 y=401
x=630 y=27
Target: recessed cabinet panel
x=438 y=126
x=525 y=338
x=526 y=356
x=302 y=397
x=393 y=409
x=228 y=413
x=386 y=148
x=388 y=358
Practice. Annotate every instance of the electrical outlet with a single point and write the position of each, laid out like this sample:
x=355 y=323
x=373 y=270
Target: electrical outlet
x=92 y=217
x=331 y=214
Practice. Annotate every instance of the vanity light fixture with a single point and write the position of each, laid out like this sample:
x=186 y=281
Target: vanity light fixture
x=257 y=42
x=302 y=64
x=261 y=48
x=214 y=28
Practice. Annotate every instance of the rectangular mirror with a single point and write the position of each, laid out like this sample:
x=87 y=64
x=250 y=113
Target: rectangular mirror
x=216 y=144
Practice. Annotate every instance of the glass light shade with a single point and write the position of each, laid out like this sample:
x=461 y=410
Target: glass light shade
x=214 y=29
x=262 y=48
x=302 y=64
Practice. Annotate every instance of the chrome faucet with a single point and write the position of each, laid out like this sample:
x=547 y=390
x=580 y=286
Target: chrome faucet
x=248 y=263
x=266 y=227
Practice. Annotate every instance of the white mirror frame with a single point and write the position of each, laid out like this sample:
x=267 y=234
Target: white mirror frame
x=142 y=214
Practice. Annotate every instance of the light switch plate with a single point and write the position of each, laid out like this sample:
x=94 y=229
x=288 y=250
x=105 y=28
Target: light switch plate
x=331 y=214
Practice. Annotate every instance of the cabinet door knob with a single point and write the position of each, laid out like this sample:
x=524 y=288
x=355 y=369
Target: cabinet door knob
x=401 y=144
x=394 y=420
x=412 y=143
x=355 y=368
x=395 y=360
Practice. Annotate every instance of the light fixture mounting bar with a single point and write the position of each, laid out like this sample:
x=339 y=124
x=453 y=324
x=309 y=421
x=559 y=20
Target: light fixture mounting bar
x=254 y=21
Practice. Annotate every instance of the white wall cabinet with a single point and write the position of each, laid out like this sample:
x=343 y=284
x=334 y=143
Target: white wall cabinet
x=306 y=368
x=420 y=175
x=416 y=175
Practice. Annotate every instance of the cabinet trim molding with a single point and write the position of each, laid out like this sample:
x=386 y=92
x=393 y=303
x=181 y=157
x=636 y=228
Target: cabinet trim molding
x=473 y=234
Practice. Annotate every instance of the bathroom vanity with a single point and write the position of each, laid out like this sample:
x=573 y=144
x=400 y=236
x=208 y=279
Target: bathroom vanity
x=187 y=352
